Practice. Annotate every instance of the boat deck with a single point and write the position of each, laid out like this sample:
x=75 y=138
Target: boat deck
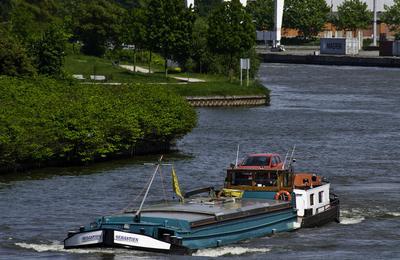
x=201 y=211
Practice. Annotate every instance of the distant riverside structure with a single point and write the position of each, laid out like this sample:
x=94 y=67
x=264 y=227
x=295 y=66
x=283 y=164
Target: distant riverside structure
x=334 y=3
x=378 y=30
x=379 y=4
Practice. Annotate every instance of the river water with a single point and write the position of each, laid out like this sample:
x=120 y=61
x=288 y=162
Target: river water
x=344 y=121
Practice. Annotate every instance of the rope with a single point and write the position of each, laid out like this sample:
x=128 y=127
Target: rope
x=137 y=196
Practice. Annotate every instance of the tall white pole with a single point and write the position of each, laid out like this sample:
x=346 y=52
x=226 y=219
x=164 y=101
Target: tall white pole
x=278 y=21
x=189 y=2
x=375 y=22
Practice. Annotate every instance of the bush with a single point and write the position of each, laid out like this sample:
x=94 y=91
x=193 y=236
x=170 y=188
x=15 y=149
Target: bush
x=366 y=43
x=44 y=120
x=14 y=59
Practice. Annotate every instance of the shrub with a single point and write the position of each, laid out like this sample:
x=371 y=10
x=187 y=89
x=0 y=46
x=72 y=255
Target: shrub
x=44 y=120
x=14 y=60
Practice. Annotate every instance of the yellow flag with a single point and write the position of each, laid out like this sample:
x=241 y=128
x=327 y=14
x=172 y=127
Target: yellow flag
x=175 y=185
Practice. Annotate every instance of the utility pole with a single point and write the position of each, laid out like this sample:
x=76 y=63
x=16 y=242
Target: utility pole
x=279 y=4
x=375 y=22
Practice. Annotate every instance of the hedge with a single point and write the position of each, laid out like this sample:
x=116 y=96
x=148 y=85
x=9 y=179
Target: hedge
x=44 y=121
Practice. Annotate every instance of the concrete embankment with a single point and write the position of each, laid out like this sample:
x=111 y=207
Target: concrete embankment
x=393 y=62
x=228 y=101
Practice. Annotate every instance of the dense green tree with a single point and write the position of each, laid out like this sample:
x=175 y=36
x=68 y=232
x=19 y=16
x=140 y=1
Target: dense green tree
x=22 y=23
x=5 y=10
x=199 y=49
x=132 y=3
x=99 y=25
x=69 y=12
x=353 y=15
x=170 y=25
x=307 y=16
x=29 y=18
x=262 y=12
x=136 y=30
x=391 y=16
x=231 y=32
x=204 y=7
x=49 y=51
x=14 y=59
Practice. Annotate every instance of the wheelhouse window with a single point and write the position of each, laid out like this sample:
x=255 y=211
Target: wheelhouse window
x=264 y=179
x=256 y=161
x=242 y=178
x=311 y=199
x=286 y=178
x=320 y=196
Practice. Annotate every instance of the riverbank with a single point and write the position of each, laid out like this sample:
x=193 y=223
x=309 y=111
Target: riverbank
x=228 y=101
x=307 y=55
x=184 y=84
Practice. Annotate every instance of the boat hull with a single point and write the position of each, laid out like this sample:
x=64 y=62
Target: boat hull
x=195 y=229
x=121 y=239
x=235 y=231
x=329 y=215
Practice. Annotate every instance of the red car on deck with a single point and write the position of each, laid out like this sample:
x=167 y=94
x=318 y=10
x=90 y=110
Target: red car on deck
x=267 y=161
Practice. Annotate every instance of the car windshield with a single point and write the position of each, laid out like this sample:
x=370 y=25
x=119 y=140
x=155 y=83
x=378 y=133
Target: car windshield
x=256 y=161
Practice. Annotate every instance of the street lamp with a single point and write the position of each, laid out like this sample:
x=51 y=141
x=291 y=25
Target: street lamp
x=375 y=21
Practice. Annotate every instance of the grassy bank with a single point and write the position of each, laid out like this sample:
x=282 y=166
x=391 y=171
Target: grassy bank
x=89 y=65
x=213 y=85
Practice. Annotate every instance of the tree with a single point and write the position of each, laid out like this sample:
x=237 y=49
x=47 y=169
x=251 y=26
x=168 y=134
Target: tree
x=199 y=50
x=5 y=10
x=353 y=15
x=22 y=23
x=308 y=16
x=391 y=16
x=204 y=7
x=262 y=12
x=49 y=51
x=136 y=31
x=28 y=19
x=14 y=60
x=99 y=25
x=170 y=25
x=231 y=32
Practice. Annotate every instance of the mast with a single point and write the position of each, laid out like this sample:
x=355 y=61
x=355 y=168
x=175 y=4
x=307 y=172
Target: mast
x=137 y=215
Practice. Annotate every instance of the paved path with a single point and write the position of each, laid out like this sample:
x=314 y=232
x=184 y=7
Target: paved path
x=138 y=68
x=144 y=70
x=187 y=79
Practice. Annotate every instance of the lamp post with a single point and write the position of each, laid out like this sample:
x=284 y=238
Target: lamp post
x=375 y=21
x=279 y=5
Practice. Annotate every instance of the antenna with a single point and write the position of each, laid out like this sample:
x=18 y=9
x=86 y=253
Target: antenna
x=237 y=155
x=291 y=157
x=284 y=162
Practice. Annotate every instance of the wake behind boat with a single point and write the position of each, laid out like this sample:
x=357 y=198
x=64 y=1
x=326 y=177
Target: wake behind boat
x=254 y=202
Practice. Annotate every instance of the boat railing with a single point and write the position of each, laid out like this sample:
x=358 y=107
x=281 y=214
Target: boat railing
x=334 y=201
x=200 y=191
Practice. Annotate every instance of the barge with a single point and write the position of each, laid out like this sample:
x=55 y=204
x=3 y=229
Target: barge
x=254 y=202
